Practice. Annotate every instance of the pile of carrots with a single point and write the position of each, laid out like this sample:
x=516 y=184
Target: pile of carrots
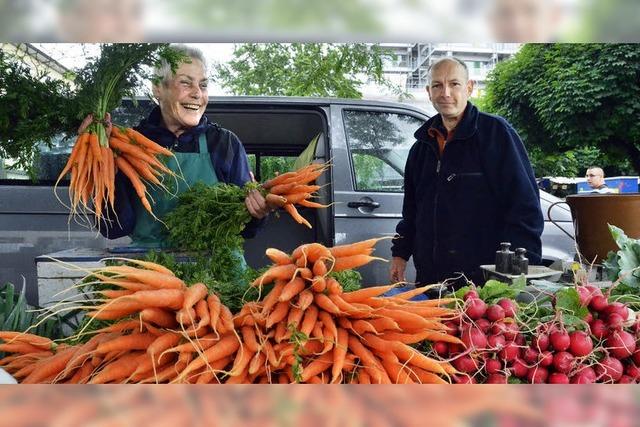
x=93 y=167
x=306 y=329
x=291 y=188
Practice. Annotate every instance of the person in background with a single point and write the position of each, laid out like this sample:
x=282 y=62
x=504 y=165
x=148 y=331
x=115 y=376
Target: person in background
x=468 y=186
x=595 y=179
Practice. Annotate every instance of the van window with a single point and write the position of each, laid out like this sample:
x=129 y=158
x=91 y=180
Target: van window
x=269 y=166
x=379 y=144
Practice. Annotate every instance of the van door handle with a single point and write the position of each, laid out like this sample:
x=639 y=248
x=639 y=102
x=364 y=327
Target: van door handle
x=364 y=204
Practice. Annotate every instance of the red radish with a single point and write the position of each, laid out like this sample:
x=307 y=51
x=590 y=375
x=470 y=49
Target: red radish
x=633 y=371
x=509 y=352
x=595 y=291
x=493 y=366
x=464 y=379
x=559 y=340
x=471 y=294
x=558 y=378
x=584 y=375
x=584 y=294
x=581 y=344
x=540 y=342
x=609 y=370
x=598 y=303
x=455 y=349
x=484 y=325
x=537 y=375
x=626 y=379
x=598 y=328
x=475 y=308
x=498 y=328
x=496 y=342
x=615 y=321
x=588 y=318
x=473 y=337
x=511 y=331
x=465 y=364
x=452 y=328
x=495 y=313
x=546 y=358
x=519 y=368
x=530 y=355
x=496 y=379
x=520 y=340
x=509 y=306
x=441 y=348
x=621 y=344
x=563 y=362
x=636 y=357
x=617 y=308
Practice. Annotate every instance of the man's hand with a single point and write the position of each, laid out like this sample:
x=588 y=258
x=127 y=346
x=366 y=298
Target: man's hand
x=398 y=266
x=257 y=205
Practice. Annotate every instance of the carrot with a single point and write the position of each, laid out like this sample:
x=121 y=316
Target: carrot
x=304 y=189
x=225 y=324
x=368 y=360
x=277 y=180
x=405 y=319
x=352 y=309
x=361 y=327
x=317 y=366
x=137 y=184
x=309 y=320
x=154 y=279
x=319 y=268
x=278 y=257
x=357 y=248
x=293 y=288
x=311 y=252
x=294 y=318
x=160 y=298
x=214 y=304
x=305 y=299
x=35 y=340
x=249 y=339
x=296 y=197
x=325 y=303
x=310 y=204
x=49 y=367
x=278 y=314
x=281 y=189
x=146 y=142
x=365 y=293
x=329 y=324
x=414 y=357
x=333 y=287
x=296 y=215
x=270 y=353
x=339 y=354
x=396 y=371
x=420 y=336
x=117 y=370
x=382 y=324
x=272 y=298
x=193 y=294
x=318 y=284
x=159 y=317
x=241 y=362
x=94 y=145
x=363 y=377
x=74 y=156
x=113 y=294
x=126 y=342
x=353 y=261
x=328 y=339
x=276 y=272
x=258 y=360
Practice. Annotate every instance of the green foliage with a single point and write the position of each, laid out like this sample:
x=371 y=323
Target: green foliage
x=33 y=109
x=493 y=290
x=561 y=97
x=303 y=69
x=209 y=217
x=569 y=307
x=17 y=315
x=351 y=280
x=624 y=264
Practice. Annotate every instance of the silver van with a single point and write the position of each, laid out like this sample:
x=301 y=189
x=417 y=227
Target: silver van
x=367 y=143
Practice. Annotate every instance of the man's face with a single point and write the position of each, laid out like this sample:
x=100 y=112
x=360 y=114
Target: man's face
x=449 y=89
x=595 y=177
x=184 y=98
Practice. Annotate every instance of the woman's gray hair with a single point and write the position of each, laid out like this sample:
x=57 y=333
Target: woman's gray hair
x=163 y=73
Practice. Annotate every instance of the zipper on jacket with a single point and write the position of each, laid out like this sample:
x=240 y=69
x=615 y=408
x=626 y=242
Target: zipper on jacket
x=453 y=175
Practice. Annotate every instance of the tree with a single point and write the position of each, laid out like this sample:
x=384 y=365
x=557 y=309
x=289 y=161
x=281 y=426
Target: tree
x=303 y=69
x=569 y=99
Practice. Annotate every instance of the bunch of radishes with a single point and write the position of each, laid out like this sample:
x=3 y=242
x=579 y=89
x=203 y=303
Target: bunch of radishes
x=603 y=349
x=492 y=339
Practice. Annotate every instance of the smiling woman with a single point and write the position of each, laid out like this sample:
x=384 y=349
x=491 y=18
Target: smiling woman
x=203 y=152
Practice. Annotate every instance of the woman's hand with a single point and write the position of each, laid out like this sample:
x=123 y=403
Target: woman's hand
x=89 y=119
x=257 y=205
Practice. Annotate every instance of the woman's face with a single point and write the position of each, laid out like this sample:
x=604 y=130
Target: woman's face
x=183 y=99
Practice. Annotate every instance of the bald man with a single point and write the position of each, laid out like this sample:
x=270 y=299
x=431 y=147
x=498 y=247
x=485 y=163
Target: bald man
x=595 y=179
x=468 y=186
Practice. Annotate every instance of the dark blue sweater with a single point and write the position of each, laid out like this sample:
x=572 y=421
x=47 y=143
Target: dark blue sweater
x=228 y=157
x=458 y=207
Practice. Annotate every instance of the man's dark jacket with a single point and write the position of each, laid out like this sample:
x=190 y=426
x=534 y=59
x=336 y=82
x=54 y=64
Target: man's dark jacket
x=458 y=207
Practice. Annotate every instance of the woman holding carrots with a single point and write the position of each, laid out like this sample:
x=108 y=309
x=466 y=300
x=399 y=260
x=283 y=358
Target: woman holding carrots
x=204 y=152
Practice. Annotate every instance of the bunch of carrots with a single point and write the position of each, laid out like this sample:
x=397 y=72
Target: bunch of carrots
x=93 y=167
x=293 y=188
x=306 y=329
